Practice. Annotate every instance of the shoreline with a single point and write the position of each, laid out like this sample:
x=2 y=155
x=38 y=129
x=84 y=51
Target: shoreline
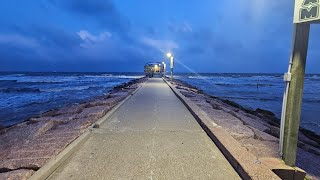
x=122 y=85
x=29 y=94
x=29 y=145
x=258 y=112
x=256 y=130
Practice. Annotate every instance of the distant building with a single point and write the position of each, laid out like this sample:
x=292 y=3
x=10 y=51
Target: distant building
x=152 y=69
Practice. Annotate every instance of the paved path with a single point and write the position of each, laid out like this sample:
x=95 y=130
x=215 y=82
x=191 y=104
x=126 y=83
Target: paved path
x=152 y=136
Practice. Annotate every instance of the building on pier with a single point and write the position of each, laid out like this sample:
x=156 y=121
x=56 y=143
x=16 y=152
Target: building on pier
x=152 y=69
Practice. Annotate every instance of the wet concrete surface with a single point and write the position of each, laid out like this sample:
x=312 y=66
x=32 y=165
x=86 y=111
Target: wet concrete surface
x=152 y=136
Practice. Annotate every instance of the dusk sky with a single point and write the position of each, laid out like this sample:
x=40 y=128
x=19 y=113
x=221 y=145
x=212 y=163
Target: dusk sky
x=250 y=36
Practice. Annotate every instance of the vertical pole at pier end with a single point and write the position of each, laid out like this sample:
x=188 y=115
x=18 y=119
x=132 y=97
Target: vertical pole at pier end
x=294 y=101
x=171 y=74
x=171 y=67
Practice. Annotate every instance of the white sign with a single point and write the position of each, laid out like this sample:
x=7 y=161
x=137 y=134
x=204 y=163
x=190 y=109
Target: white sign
x=306 y=11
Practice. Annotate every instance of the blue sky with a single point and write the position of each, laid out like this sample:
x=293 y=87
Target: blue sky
x=252 y=36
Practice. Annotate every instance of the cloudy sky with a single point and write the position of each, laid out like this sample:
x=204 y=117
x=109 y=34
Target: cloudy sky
x=122 y=35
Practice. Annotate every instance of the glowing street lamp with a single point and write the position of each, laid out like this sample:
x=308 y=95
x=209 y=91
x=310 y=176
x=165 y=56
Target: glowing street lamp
x=170 y=56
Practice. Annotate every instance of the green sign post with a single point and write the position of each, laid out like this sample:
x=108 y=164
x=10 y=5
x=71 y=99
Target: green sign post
x=306 y=12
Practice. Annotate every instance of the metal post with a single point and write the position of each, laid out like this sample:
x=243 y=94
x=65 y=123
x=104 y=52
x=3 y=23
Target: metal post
x=164 y=69
x=171 y=66
x=171 y=74
x=295 y=92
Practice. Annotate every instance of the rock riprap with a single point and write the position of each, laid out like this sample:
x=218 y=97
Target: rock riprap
x=27 y=146
x=256 y=130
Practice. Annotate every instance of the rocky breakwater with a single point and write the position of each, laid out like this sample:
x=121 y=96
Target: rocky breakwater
x=256 y=130
x=28 y=146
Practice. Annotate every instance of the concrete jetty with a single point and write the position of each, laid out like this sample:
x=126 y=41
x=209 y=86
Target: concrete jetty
x=151 y=136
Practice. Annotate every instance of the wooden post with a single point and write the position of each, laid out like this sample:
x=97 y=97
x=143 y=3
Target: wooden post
x=294 y=101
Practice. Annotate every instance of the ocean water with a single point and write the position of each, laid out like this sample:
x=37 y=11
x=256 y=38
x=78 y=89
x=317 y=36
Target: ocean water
x=24 y=95
x=260 y=91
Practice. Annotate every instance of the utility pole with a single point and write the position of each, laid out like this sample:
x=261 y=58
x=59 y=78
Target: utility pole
x=293 y=103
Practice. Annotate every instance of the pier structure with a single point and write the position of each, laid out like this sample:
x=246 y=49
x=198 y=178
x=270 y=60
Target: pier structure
x=151 y=136
x=158 y=133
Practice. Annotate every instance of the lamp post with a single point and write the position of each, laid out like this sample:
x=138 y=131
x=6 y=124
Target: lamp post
x=164 y=69
x=170 y=56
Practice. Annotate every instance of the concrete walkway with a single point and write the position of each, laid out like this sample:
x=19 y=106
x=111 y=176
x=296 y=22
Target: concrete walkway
x=152 y=136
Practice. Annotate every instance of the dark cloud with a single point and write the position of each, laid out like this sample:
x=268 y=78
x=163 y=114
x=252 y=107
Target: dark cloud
x=253 y=38
x=50 y=36
x=37 y=45
x=53 y=49
x=102 y=11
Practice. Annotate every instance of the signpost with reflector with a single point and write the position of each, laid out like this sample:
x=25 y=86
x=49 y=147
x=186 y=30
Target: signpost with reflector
x=306 y=12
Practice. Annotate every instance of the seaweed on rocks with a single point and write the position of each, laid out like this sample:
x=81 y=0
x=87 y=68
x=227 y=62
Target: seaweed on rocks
x=266 y=112
x=4 y=170
x=310 y=134
x=232 y=103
